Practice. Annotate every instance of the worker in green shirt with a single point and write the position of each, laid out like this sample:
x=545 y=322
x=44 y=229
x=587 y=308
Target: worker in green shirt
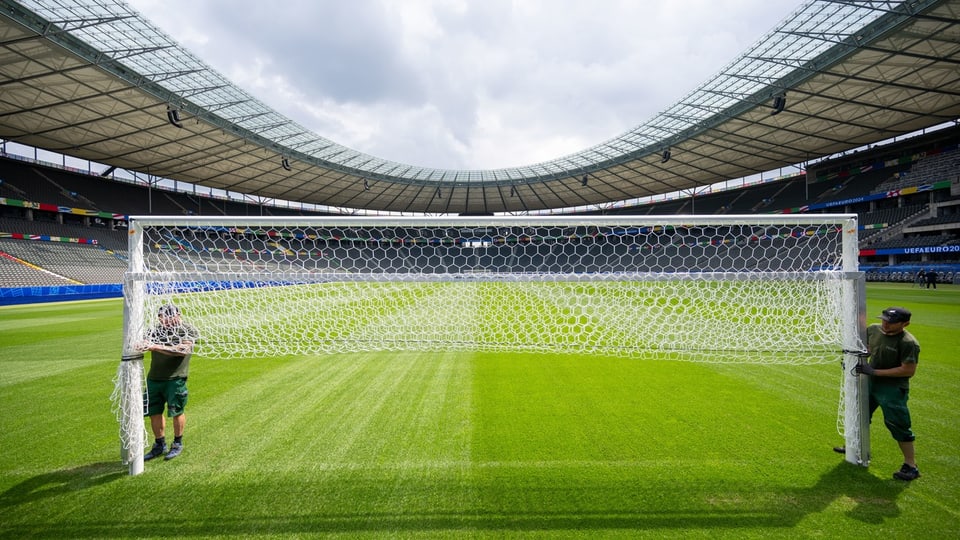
x=894 y=354
x=170 y=343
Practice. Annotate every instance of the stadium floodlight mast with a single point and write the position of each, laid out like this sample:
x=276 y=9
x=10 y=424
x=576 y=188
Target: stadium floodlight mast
x=757 y=289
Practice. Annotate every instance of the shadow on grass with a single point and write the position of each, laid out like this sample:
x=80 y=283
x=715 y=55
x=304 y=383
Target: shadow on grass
x=871 y=499
x=864 y=497
x=60 y=482
x=365 y=505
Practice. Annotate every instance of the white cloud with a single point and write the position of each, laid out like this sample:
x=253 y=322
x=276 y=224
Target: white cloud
x=467 y=84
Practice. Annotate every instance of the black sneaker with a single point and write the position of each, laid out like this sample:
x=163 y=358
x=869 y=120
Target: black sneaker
x=840 y=450
x=157 y=451
x=175 y=450
x=907 y=473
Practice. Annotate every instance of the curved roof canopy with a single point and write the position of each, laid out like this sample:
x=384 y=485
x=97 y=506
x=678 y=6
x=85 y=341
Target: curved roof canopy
x=93 y=79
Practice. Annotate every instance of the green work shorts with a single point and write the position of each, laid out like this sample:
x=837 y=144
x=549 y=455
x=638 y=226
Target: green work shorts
x=173 y=394
x=892 y=401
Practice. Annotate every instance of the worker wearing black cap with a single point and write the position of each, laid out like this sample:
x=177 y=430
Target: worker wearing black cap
x=170 y=343
x=894 y=353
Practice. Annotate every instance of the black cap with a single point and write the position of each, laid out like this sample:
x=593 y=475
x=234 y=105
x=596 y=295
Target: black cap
x=895 y=314
x=168 y=310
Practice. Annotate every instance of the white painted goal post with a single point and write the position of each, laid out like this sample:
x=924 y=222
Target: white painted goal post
x=725 y=288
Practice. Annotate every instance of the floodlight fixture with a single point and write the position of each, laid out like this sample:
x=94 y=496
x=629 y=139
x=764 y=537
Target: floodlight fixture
x=779 y=103
x=173 y=116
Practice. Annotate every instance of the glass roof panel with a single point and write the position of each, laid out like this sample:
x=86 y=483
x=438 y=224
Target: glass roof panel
x=115 y=28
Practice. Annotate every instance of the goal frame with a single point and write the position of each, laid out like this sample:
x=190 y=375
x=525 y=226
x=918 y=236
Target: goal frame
x=853 y=401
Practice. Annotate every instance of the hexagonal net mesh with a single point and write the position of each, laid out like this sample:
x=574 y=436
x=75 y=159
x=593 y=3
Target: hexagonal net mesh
x=744 y=289
x=697 y=289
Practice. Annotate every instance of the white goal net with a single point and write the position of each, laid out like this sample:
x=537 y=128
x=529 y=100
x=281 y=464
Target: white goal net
x=719 y=289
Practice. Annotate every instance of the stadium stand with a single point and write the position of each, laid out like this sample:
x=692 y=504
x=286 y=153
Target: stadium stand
x=931 y=168
x=790 y=193
x=75 y=263
x=949 y=219
x=14 y=273
x=59 y=187
x=907 y=195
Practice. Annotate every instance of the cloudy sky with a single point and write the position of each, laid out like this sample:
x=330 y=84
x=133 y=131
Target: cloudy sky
x=467 y=84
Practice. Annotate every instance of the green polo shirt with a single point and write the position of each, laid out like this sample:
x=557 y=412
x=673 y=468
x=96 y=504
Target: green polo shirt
x=891 y=351
x=165 y=366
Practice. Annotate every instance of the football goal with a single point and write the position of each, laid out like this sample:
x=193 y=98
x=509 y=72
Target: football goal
x=759 y=289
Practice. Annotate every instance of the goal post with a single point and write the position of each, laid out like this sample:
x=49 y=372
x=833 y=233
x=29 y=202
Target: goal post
x=719 y=289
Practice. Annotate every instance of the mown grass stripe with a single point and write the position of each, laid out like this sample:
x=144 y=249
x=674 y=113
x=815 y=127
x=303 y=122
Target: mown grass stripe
x=481 y=445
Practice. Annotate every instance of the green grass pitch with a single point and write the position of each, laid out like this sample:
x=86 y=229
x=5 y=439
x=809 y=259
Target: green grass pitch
x=469 y=445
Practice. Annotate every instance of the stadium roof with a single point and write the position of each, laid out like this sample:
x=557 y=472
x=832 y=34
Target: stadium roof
x=94 y=80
